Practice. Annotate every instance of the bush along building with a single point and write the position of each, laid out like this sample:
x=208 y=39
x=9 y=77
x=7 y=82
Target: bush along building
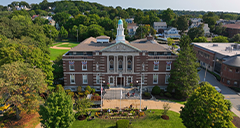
x=119 y=63
x=221 y=58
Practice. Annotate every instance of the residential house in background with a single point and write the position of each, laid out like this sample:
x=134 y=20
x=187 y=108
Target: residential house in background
x=22 y=7
x=232 y=29
x=130 y=20
x=206 y=30
x=221 y=58
x=119 y=63
x=34 y=16
x=132 y=27
x=171 y=32
x=159 y=25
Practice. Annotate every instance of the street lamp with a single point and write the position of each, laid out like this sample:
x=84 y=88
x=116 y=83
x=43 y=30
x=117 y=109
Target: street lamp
x=206 y=71
x=101 y=91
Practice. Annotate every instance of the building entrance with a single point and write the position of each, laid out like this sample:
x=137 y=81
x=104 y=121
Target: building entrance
x=120 y=81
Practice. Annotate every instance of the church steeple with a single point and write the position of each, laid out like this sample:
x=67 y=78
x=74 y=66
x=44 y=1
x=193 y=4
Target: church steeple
x=120 y=37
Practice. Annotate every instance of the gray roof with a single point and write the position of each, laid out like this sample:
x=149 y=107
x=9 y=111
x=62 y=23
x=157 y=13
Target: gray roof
x=159 y=24
x=233 y=61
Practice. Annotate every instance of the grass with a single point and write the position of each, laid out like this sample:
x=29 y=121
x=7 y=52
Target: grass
x=70 y=45
x=177 y=101
x=54 y=53
x=233 y=114
x=152 y=120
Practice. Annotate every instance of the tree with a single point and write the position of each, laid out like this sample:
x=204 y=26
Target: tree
x=206 y=108
x=23 y=20
x=95 y=30
x=143 y=31
x=235 y=38
x=24 y=83
x=184 y=77
x=58 y=68
x=196 y=32
x=182 y=23
x=200 y=39
x=61 y=17
x=57 y=110
x=82 y=104
x=220 y=39
x=168 y=15
x=63 y=32
x=50 y=31
x=40 y=21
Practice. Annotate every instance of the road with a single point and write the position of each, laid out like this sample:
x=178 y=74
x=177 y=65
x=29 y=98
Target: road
x=227 y=92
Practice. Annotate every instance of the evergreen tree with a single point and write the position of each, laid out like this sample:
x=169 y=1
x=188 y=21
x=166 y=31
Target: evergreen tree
x=206 y=108
x=184 y=77
x=57 y=111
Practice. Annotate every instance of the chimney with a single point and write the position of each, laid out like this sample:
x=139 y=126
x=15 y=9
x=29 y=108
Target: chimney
x=149 y=37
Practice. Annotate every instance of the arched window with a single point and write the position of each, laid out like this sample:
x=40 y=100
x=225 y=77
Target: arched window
x=120 y=66
x=129 y=65
x=111 y=66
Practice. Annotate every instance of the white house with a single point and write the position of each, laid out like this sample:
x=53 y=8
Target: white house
x=129 y=20
x=132 y=28
x=171 y=33
x=159 y=25
x=206 y=30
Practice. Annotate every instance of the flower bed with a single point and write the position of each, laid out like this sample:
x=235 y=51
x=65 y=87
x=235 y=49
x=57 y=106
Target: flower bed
x=122 y=117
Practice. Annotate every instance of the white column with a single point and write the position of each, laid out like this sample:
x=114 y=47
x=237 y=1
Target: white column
x=126 y=63
x=123 y=64
x=117 y=64
x=108 y=64
x=133 y=64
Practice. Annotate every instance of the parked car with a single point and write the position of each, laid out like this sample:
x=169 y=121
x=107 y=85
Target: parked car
x=218 y=89
x=4 y=107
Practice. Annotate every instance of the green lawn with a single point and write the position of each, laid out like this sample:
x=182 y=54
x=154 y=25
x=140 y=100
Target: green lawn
x=56 y=52
x=177 y=101
x=152 y=120
x=70 y=45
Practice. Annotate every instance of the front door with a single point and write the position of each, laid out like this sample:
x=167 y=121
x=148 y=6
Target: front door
x=120 y=81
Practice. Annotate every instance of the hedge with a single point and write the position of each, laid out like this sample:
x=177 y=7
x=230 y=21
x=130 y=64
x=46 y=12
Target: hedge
x=122 y=123
x=156 y=90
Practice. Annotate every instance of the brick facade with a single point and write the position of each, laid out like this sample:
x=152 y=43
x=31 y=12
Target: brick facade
x=230 y=76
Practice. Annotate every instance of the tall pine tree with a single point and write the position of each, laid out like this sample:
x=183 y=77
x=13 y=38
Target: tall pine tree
x=184 y=77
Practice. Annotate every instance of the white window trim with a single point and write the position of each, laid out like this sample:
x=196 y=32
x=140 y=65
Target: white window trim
x=131 y=80
x=84 y=69
x=142 y=79
x=73 y=78
x=127 y=64
x=153 y=79
x=166 y=82
x=71 y=69
x=119 y=64
x=157 y=67
x=109 y=80
x=98 y=76
x=83 y=79
x=110 y=65
x=170 y=67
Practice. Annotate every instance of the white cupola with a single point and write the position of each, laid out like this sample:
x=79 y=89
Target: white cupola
x=120 y=37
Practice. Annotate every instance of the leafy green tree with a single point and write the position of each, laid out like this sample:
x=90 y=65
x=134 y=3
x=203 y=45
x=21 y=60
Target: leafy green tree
x=235 y=38
x=196 y=32
x=206 y=108
x=82 y=32
x=44 y=5
x=82 y=104
x=58 y=68
x=50 y=31
x=40 y=21
x=95 y=30
x=200 y=39
x=211 y=19
x=24 y=83
x=143 y=31
x=168 y=15
x=182 y=23
x=57 y=110
x=220 y=39
x=184 y=77
x=63 y=32
x=32 y=12
x=61 y=17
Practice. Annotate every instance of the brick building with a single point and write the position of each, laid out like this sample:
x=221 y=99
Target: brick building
x=221 y=58
x=96 y=59
x=232 y=29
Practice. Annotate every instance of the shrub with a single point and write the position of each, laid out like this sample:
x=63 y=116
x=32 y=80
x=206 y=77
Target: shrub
x=96 y=98
x=5 y=121
x=125 y=114
x=122 y=123
x=86 y=92
x=162 y=91
x=229 y=104
x=88 y=88
x=168 y=94
x=141 y=114
x=166 y=107
x=161 y=94
x=96 y=94
x=71 y=94
x=120 y=113
x=68 y=90
x=156 y=90
x=80 y=93
x=93 y=90
x=59 y=86
x=2 y=125
x=147 y=94
x=79 y=88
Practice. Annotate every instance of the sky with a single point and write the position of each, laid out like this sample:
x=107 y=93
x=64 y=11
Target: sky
x=193 y=5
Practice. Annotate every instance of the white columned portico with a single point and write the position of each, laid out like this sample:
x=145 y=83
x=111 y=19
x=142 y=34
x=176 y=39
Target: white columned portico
x=108 y=63
x=117 y=63
x=123 y=64
x=126 y=62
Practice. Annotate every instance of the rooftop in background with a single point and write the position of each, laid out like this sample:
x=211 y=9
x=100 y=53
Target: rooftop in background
x=227 y=49
x=160 y=24
x=233 y=61
x=233 y=26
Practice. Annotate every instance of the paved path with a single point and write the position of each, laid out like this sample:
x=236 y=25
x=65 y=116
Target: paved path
x=227 y=92
x=151 y=104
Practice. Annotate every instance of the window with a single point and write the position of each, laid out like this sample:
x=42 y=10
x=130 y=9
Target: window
x=129 y=65
x=230 y=70
x=166 y=78
x=71 y=65
x=97 y=53
x=223 y=79
x=237 y=71
x=155 y=67
x=120 y=66
x=225 y=68
x=155 y=79
x=72 y=79
x=84 y=65
x=142 y=79
x=85 y=79
x=228 y=81
x=97 y=79
x=235 y=83
x=111 y=80
x=129 y=80
x=111 y=66
x=168 y=67
x=143 y=67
